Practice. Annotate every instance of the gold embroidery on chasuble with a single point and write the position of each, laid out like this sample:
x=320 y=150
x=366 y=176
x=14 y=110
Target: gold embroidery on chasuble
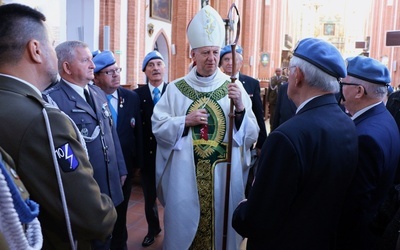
x=208 y=151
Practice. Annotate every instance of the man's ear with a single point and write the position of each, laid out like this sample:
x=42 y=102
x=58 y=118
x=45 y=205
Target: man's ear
x=360 y=91
x=67 y=68
x=34 y=50
x=299 y=76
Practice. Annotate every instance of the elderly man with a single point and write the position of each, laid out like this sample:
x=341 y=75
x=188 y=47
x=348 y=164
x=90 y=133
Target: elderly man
x=87 y=106
x=190 y=123
x=363 y=92
x=250 y=84
x=153 y=66
x=307 y=163
x=44 y=143
x=124 y=106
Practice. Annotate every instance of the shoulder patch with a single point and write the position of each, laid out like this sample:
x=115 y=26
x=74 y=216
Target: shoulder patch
x=66 y=158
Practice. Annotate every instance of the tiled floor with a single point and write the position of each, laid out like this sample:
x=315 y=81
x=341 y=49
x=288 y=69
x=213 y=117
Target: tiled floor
x=137 y=225
x=136 y=222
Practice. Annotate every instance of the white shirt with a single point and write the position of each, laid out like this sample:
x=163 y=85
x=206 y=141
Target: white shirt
x=361 y=111
x=151 y=87
x=78 y=89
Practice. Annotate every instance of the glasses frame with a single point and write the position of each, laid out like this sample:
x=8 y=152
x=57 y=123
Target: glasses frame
x=111 y=72
x=352 y=84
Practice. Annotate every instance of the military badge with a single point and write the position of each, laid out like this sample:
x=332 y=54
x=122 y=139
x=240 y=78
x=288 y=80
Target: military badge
x=84 y=131
x=133 y=122
x=66 y=158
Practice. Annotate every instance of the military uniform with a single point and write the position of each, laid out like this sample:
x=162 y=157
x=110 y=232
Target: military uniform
x=18 y=193
x=272 y=95
x=25 y=138
x=104 y=147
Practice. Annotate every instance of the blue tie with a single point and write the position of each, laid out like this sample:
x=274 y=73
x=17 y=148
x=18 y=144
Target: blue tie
x=156 y=93
x=113 y=112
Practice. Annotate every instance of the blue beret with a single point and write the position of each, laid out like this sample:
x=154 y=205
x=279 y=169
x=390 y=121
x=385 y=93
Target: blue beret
x=95 y=52
x=368 y=69
x=150 y=56
x=103 y=60
x=323 y=55
x=390 y=90
x=228 y=49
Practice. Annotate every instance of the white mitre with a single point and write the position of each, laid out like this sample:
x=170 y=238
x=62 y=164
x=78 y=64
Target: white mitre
x=206 y=29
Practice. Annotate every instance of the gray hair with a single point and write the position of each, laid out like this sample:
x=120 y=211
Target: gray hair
x=18 y=25
x=66 y=52
x=315 y=77
x=373 y=90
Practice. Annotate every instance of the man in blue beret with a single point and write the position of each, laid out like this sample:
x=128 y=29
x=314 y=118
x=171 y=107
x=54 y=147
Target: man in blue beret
x=252 y=87
x=306 y=163
x=153 y=66
x=363 y=92
x=124 y=106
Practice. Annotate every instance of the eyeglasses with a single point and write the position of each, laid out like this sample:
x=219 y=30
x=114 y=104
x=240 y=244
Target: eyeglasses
x=112 y=71
x=352 y=84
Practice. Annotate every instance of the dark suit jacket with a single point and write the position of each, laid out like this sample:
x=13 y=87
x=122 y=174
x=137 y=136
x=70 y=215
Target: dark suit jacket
x=305 y=169
x=146 y=111
x=252 y=87
x=129 y=128
x=106 y=174
x=379 y=152
x=24 y=136
x=285 y=108
x=393 y=105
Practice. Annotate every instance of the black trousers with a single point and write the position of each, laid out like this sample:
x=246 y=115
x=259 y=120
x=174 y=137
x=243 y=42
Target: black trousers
x=120 y=233
x=150 y=206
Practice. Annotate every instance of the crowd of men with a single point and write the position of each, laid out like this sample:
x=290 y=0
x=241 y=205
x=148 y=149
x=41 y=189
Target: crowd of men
x=69 y=147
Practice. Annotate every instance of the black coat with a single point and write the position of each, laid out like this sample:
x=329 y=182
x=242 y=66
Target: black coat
x=252 y=87
x=150 y=143
x=305 y=169
x=285 y=108
x=129 y=128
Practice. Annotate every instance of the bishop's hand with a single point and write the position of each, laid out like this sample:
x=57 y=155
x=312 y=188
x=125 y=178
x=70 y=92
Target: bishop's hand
x=235 y=94
x=197 y=117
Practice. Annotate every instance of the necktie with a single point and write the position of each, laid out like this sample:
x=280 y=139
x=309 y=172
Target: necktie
x=156 y=93
x=89 y=99
x=113 y=111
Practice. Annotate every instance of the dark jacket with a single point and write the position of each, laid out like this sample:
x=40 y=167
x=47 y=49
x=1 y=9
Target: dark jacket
x=379 y=144
x=285 y=108
x=129 y=128
x=305 y=169
x=146 y=111
x=393 y=105
x=252 y=87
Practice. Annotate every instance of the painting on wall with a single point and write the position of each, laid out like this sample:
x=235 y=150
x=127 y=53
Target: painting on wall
x=329 y=29
x=161 y=10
